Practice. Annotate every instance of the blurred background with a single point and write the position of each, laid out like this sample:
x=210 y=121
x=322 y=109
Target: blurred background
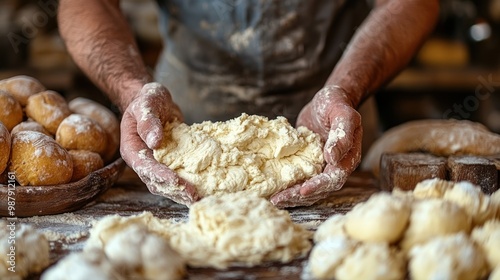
x=456 y=73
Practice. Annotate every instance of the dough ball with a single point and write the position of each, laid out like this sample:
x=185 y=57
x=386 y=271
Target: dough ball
x=246 y=153
x=495 y=202
x=327 y=255
x=104 y=117
x=79 y=132
x=30 y=126
x=495 y=274
x=84 y=162
x=432 y=188
x=5 y=142
x=473 y=200
x=382 y=218
x=447 y=257
x=39 y=160
x=21 y=87
x=11 y=113
x=434 y=217
x=31 y=251
x=333 y=226
x=488 y=237
x=48 y=108
x=372 y=261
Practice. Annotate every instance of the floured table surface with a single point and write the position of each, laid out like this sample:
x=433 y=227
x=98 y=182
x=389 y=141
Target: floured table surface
x=68 y=232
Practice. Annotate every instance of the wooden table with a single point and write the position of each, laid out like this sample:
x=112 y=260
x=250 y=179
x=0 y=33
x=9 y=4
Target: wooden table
x=68 y=232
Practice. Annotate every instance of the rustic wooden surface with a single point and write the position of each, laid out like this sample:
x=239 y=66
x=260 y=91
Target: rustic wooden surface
x=129 y=196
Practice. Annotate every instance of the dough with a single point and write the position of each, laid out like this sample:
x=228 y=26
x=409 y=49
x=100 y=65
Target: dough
x=432 y=188
x=333 y=226
x=30 y=126
x=434 y=217
x=79 y=132
x=382 y=218
x=472 y=200
x=327 y=255
x=447 y=257
x=21 y=87
x=39 y=160
x=438 y=137
x=246 y=153
x=495 y=274
x=84 y=162
x=495 y=202
x=92 y=264
x=47 y=108
x=488 y=237
x=5 y=142
x=104 y=117
x=31 y=250
x=372 y=261
x=11 y=113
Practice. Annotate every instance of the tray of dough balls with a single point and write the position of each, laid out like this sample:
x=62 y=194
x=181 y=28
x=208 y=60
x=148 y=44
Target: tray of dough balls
x=55 y=156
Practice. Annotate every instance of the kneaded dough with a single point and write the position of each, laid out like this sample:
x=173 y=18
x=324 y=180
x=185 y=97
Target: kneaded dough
x=333 y=226
x=382 y=218
x=432 y=188
x=246 y=153
x=488 y=237
x=372 y=261
x=434 y=217
x=447 y=257
x=91 y=264
x=328 y=254
x=31 y=251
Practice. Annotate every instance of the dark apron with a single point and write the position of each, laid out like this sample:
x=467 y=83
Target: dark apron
x=265 y=57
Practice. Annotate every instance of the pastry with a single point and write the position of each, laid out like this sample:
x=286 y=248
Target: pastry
x=21 y=87
x=84 y=162
x=48 y=108
x=11 y=113
x=79 y=132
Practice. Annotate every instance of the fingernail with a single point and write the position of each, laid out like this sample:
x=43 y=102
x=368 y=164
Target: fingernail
x=151 y=140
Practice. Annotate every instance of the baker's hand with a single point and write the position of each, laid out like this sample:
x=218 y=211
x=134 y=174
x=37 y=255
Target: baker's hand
x=331 y=115
x=142 y=131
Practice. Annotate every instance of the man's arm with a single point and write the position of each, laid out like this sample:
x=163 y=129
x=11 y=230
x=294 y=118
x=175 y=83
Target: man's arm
x=102 y=44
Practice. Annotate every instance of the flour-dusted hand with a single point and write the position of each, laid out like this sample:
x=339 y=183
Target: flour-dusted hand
x=330 y=114
x=142 y=131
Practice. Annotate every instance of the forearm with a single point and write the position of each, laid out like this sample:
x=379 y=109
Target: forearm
x=383 y=45
x=101 y=43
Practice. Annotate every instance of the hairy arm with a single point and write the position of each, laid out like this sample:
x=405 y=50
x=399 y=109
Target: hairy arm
x=102 y=44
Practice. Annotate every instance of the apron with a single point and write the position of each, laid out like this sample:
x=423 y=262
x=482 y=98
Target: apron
x=264 y=57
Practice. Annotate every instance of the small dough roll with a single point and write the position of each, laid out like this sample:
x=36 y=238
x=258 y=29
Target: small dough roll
x=104 y=117
x=39 y=160
x=21 y=87
x=382 y=218
x=48 y=108
x=30 y=126
x=84 y=162
x=432 y=188
x=11 y=113
x=4 y=147
x=327 y=255
x=79 y=132
x=333 y=226
x=488 y=237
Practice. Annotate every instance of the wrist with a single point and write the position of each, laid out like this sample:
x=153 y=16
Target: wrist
x=130 y=90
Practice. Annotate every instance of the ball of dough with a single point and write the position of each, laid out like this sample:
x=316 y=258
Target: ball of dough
x=79 y=132
x=382 y=218
x=328 y=254
x=92 y=264
x=472 y=200
x=38 y=159
x=48 y=108
x=447 y=257
x=30 y=126
x=372 y=261
x=84 y=162
x=11 y=113
x=495 y=202
x=432 y=188
x=21 y=87
x=333 y=226
x=104 y=117
x=434 y=217
x=5 y=142
x=488 y=237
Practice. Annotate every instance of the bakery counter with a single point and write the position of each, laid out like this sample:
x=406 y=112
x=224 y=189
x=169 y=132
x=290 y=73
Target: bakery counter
x=68 y=232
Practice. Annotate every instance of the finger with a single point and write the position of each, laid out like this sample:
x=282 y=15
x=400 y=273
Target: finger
x=342 y=136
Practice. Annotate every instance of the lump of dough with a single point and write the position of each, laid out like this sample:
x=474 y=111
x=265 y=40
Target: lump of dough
x=372 y=261
x=434 y=217
x=246 y=153
x=31 y=251
x=328 y=254
x=92 y=264
x=333 y=226
x=473 y=200
x=447 y=257
x=432 y=188
x=382 y=218
x=488 y=237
